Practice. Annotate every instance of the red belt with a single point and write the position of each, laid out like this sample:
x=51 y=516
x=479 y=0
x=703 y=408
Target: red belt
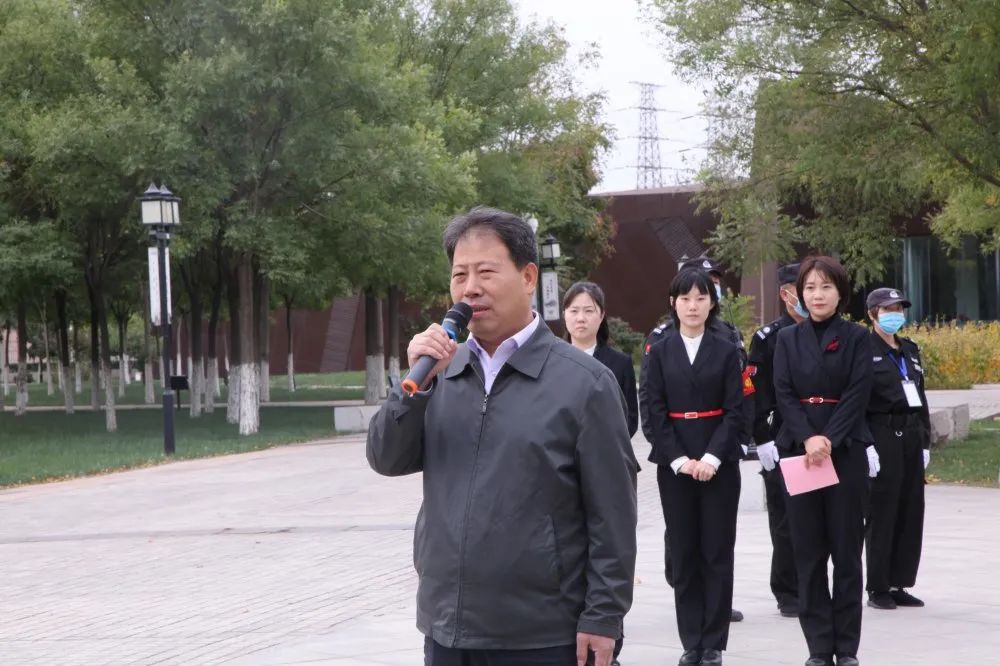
x=695 y=415
x=818 y=400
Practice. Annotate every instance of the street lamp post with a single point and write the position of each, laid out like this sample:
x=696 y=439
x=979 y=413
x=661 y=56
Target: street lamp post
x=549 y=278
x=160 y=213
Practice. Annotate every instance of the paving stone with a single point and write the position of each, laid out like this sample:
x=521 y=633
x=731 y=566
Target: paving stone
x=302 y=555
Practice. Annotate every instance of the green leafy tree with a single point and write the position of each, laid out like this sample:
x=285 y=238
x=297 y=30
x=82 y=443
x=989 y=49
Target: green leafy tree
x=849 y=116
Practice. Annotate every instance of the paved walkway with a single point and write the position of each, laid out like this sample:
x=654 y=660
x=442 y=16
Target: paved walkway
x=301 y=555
x=983 y=402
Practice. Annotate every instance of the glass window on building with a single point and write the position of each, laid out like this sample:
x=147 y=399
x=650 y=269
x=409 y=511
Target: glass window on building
x=947 y=284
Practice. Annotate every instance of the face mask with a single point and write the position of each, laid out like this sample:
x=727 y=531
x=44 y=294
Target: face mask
x=890 y=322
x=799 y=310
x=718 y=291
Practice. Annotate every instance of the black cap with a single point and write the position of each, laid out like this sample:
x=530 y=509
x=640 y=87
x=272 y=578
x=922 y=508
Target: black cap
x=788 y=274
x=703 y=263
x=886 y=296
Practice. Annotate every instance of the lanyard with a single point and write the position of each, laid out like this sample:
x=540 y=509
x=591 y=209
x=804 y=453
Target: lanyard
x=901 y=364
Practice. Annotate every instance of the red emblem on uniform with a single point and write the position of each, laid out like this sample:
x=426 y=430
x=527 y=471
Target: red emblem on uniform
x=752 y=370
x=647 y=349
x=834 y=345
x=748 y=387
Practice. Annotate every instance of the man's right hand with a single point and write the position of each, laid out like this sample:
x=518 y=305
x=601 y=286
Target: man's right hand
x=433 y=342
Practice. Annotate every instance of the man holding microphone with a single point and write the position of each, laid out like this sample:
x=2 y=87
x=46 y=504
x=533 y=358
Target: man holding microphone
x=525 y=544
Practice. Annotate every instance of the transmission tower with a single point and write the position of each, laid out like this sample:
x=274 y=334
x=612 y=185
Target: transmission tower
x=649 y=171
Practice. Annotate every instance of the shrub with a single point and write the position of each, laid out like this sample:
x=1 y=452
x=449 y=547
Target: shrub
x=623 y=337
x=956 y=356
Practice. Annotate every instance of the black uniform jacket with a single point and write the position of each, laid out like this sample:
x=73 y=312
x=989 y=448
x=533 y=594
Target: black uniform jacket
x=719 y=328
x=760 y=368
x=676 y=385
x=837 y=367
x=887 y=389
x=621 y=366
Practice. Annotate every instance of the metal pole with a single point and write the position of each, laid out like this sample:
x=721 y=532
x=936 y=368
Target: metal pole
x=538 y=283
x=162 y=237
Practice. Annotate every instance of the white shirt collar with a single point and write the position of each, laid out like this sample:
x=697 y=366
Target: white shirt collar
x=516 y=341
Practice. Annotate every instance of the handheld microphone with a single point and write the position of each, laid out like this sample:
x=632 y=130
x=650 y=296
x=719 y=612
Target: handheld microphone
x=455 y=321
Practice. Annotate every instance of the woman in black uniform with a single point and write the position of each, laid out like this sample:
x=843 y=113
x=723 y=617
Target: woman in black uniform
x=822 y=382
x=585 y=317
x=695 y=394
x=587 y=329
x=900 y=422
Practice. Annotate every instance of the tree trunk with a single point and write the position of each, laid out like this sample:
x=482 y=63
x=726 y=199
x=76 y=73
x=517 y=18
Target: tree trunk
x=110 y=414
x=213 y=391
x=291 y=354
x=95 y=370
x=262 y=293
x=179 y=345
x=21 y=381
x=147 y=349
x=374 y=357
x=122 y=363
x=64 y=359
x=249 y=405
x=233 y=349
x=393 y=306
x=197 y=379
x=6 y=360
x=45 y=347
x=75 y=351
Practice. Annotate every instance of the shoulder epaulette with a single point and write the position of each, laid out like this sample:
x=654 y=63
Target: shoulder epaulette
x=768 y=329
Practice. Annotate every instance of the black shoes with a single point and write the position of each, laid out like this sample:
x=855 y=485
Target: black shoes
x=819 y=661
x=690 y=658
x=904 y=598
x=881 y=600
x=847 y=660
x=788 y=610
x=735 y=615
x=711 y=658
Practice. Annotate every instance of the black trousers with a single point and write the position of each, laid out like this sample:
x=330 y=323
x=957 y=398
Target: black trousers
x=436 y=654
x=824 y=524
x=702 y=519
x=895 y=530
x=784 y=580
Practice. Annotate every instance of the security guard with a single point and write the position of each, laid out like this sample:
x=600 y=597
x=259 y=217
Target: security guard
x=718 y=327
x=900 y=422
x=767 y=422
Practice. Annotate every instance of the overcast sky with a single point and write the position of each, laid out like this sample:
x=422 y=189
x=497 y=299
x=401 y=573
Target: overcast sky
x=631 y=50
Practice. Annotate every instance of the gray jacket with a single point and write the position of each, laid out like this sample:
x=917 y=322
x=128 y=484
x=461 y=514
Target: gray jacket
x=527 y=530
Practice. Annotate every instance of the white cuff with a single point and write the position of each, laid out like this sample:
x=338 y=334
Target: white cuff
x=678 y=463
x=711 y=460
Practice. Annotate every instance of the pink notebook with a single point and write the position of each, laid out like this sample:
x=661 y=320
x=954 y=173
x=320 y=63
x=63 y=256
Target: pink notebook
x=799 y=479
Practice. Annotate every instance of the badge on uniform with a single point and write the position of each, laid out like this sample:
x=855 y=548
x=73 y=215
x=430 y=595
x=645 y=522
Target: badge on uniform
x=876 y=359
x=911 y=393
x=748 y=387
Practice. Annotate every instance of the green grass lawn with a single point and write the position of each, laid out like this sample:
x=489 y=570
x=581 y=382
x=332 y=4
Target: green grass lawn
x=973 y=462
x=309 y=387
x=42 y=446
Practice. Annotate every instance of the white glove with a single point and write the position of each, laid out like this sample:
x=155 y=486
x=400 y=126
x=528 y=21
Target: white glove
x=873 y=466
x=768 y=454
x=927 y=457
